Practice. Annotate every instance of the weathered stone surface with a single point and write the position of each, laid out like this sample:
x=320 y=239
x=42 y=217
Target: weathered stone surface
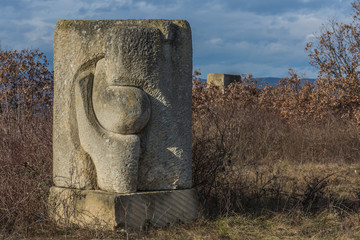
x=120 y=109
x=122 y=105
x=221 y=79
x=91 y=208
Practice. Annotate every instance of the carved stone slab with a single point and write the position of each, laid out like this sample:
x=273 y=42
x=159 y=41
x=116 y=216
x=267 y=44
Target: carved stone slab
x=122 y=105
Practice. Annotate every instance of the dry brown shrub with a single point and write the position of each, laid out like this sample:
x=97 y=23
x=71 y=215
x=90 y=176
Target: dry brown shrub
x=25 y=172
x=25 y=141
x=243 y=132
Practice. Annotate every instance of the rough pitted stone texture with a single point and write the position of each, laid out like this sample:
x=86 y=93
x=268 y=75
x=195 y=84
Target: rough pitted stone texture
x=122 y=105
x=91 y=208
x=221 y=79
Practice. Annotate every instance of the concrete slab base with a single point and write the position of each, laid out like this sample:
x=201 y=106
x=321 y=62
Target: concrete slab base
x=94 y=208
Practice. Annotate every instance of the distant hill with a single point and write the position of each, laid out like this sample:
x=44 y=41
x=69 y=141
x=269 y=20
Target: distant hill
x=271 y=80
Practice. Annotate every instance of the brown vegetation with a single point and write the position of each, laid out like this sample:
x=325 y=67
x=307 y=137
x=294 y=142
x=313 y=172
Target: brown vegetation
x=25 y=140
x=247 y=153
x=26 y=83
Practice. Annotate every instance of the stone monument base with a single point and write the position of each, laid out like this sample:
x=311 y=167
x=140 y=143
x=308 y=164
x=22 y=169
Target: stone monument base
x=92 y=208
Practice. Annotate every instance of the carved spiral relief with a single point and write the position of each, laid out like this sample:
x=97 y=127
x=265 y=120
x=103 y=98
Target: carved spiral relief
x=108 y=118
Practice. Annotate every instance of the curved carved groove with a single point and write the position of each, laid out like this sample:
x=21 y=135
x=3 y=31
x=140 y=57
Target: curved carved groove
x=114 y=155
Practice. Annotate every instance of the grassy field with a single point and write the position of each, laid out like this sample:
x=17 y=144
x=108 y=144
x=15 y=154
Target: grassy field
x=301 y=193
x=332 y=214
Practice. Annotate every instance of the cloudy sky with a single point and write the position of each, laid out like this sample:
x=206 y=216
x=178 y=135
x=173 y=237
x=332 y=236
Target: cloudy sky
x=262 y=37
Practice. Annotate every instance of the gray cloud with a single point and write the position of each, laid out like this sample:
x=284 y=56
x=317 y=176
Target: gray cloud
x=276 y=7
x=239 y=36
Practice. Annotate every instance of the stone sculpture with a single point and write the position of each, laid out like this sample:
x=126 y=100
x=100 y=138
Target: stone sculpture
x=122 y=107
x=221 y=79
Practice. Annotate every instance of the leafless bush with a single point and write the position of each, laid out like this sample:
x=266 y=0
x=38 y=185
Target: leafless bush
x=25 y=171
x=25 y=140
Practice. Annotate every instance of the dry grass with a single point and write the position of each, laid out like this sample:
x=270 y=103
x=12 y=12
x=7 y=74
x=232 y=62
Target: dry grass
x=260 y=177
x=246 y=156
x=269 y=163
